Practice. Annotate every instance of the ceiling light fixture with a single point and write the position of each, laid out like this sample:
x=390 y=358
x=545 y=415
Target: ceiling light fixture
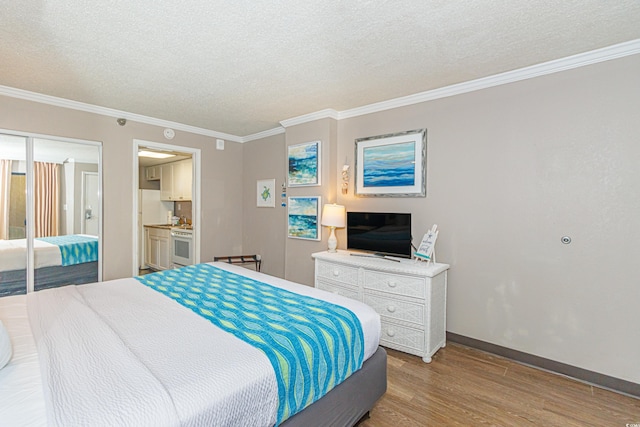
x=154 y=155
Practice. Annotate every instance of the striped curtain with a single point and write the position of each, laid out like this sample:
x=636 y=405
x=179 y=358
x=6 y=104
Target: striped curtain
x=46 y=198
x=5 y=192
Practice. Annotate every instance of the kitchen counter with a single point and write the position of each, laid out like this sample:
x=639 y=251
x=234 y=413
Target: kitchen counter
x=170 y=227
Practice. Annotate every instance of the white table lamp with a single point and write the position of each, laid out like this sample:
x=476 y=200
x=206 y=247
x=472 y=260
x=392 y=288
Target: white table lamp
x=333 y=216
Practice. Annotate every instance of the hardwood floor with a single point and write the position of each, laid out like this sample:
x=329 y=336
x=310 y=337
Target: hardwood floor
x=467 y=387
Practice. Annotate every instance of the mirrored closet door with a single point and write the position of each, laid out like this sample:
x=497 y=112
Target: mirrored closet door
x=50 y=212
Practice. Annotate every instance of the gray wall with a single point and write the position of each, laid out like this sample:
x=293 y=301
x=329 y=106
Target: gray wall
x=221 y=176
x=299 y=264
x=511 y=170
x=265 y=228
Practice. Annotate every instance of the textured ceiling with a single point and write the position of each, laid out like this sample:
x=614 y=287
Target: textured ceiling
x=241 y=67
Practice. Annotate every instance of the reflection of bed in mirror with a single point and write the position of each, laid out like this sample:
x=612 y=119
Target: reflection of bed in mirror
x=59 y=260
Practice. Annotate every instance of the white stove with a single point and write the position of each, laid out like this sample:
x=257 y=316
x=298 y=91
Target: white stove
x=181 y=246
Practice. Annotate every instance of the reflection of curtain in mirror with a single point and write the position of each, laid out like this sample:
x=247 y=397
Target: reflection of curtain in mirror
x=5 y=189
x=45 y=191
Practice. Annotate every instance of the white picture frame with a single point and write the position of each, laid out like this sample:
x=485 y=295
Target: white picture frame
x=303 y=218
x=392 y=165
x=265 y=193
x=304 y=164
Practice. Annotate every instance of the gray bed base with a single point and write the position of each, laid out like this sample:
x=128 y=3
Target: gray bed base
x=14 y=282
x=350 y=401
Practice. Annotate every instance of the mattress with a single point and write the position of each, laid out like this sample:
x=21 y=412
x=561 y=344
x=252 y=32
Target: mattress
x=21 y=396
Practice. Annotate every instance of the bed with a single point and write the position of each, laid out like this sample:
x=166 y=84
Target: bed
x=78 y=363
x=59 y=260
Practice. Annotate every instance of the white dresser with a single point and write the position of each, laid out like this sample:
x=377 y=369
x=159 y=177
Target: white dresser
x=410 y=296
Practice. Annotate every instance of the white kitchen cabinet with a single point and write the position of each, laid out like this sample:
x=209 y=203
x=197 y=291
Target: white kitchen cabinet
x=182 y=179
x=409 y=296
x=166 y=181
x=157 y=248
x=152 y=173
x=176 y=181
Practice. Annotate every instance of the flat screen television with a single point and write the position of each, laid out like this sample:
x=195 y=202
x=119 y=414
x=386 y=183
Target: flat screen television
x=380 y=233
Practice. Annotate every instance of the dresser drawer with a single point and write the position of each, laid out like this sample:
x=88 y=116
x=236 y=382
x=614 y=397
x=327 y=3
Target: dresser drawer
x=340 y=290
x=392 y=335
x=396 y=309
x=395 y=283
x=337 y=273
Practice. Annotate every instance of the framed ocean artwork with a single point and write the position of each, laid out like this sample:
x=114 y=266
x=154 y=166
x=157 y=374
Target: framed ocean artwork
x=392 y=165
x=304 y=164
x=304 y=218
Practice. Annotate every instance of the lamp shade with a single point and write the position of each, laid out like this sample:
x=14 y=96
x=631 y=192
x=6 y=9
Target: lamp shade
x=333 y=215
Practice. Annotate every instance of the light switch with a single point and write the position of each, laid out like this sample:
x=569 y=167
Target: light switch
x=219 y=144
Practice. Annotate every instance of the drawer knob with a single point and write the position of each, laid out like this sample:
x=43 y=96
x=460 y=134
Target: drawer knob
x=391 y=284
x=391 y=332
x=391 y=309
x=336 y=272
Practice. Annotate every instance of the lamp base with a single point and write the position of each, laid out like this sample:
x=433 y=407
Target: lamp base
x=332 y=242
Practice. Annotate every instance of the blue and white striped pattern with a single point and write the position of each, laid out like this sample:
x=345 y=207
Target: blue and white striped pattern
x=313 y=345
x=75 y=249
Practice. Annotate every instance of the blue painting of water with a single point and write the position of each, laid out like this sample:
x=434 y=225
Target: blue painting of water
x=303 y=164
x=303 y=226
x=303 y=217
x=389 y=165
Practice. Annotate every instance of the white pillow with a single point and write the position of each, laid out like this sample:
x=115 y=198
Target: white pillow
x=5 y=346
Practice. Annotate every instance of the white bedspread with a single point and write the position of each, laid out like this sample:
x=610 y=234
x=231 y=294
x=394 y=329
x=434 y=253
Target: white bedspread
x=13 y=254
x=119 y=353
x=123 y=354
x=21 y=398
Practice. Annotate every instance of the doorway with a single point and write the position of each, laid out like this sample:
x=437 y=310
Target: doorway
x=166 y=174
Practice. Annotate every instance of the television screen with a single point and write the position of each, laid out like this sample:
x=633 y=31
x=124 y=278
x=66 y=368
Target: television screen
x=380 y=233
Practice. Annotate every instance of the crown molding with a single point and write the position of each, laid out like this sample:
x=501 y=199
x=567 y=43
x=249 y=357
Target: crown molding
x=322 y=114
x=110 y=112
x=575 y=61
x=263 y=134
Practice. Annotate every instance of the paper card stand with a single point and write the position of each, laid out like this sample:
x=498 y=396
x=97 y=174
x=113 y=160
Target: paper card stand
x=427 y=249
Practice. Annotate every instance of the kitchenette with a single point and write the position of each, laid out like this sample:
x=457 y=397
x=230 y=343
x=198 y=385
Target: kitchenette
x=165 y=215
x=168 y=246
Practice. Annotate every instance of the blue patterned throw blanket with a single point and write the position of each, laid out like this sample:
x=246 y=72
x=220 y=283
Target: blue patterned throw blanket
x=75 y=249
x=313 y=345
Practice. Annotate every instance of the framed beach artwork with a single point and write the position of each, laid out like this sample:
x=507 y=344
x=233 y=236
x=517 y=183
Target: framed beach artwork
x=304 y=218
x=392 y=165
x=304 y=164
x=265 y=190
